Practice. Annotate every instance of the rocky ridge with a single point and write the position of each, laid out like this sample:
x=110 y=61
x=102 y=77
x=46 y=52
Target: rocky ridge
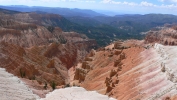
x=133 y=73
x=164 y=35
x=12 y=88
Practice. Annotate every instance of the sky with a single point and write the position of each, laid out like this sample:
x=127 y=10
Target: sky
x=119 y=6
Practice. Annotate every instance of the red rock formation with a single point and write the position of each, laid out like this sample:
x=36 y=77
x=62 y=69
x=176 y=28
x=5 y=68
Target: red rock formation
x=141 y=74
x=165 y=36
x=39 y=55
x=101 y=75
x=43 y=64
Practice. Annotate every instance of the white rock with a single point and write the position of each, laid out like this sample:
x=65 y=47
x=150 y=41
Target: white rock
x=11 y=88
x=75 y=93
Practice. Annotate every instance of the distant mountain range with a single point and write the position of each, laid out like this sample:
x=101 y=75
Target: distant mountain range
x=67 y=12
x=103 y=33
x=100 y=27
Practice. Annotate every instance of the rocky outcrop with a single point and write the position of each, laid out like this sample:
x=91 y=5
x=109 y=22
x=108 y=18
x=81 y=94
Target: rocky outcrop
x=92 y=53
x=75 y=93
x=12 y=88
x=166 y=65
x=111 y=81
x=118 y=45
x=165 y=36
x=100 y=70
x=80 y=74
x=146 y=74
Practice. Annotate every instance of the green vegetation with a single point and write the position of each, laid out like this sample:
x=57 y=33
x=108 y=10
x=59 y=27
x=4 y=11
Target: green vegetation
x=50 y=28
x=104 y=29
x=22 y=73
x=102 y=33
x=53 y=85
x=107 y=29
x=135 y=24
x=62 y=39
x=67 y=85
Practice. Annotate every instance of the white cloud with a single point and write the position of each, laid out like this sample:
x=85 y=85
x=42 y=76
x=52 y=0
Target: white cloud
x=106 y=1
x=90 y=1
x=172 y=6
x=172 y=1
x=161 y=0
x=147 y=4
x=74 y=0
x=87 y=1
x=130 y=3
x=142 y=4
x=117 y=2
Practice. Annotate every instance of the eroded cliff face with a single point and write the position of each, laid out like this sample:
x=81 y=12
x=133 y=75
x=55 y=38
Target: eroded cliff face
x=44 y=64
x=165 y=36
x=37 y=18
x=40 y=55
x=135 y=73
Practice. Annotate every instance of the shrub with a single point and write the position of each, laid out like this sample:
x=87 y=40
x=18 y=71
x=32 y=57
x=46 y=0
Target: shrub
x=62 y=40
x=22 y=73
x=50 y=28
x=53 y=85
x=67 y=85
x=45 y=86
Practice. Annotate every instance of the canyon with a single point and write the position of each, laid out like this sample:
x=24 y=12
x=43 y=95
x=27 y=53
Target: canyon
x=51 y=63
x=133 y=69
x=40 y=55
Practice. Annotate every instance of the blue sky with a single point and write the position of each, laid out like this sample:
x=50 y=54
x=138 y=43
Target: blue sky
x=122 y=6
